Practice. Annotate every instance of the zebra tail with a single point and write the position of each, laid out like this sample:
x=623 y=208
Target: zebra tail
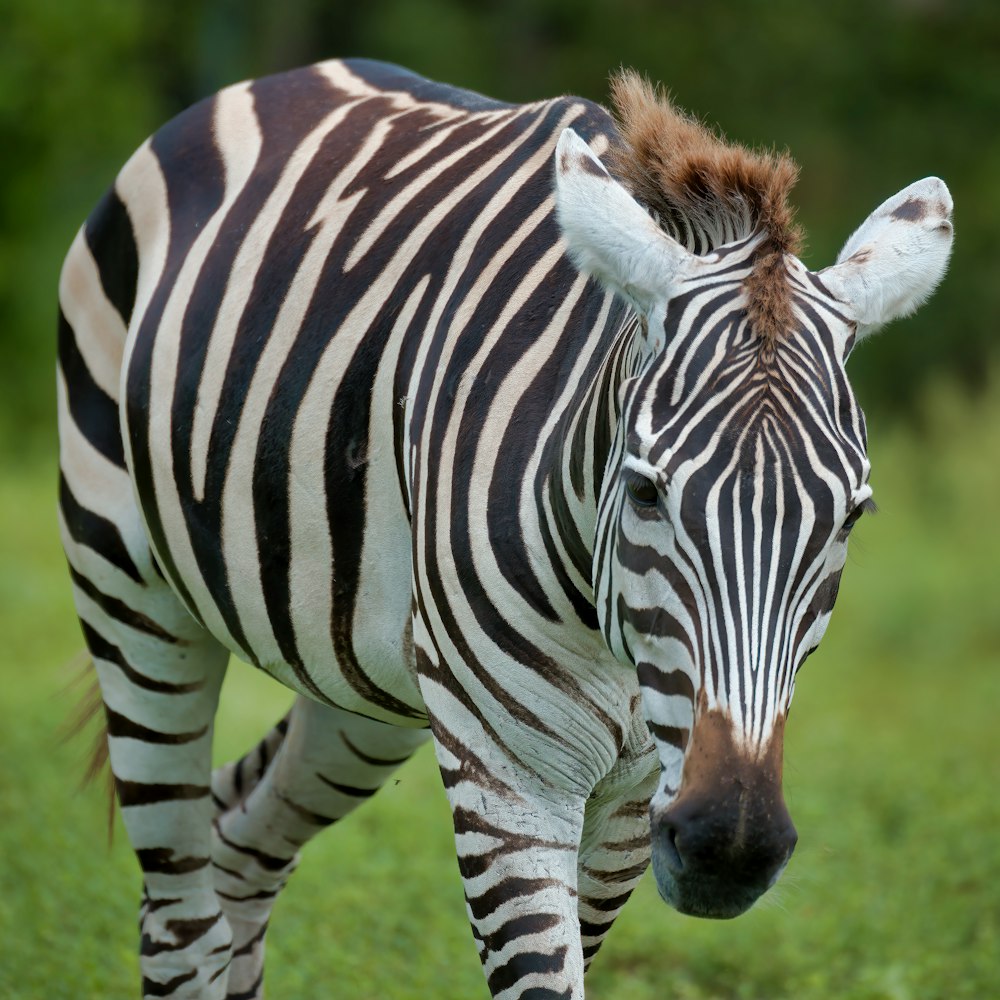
x=89 y=706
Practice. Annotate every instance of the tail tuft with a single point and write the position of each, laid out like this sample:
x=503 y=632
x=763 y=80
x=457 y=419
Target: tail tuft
x=90 y=706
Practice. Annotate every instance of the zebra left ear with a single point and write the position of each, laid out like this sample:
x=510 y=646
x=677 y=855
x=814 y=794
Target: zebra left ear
x=609 y=234
x=895 y=259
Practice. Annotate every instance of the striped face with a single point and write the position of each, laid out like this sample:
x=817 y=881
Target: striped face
x=738 y=469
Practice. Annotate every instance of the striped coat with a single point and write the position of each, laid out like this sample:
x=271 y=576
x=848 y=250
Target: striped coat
x=340 y=395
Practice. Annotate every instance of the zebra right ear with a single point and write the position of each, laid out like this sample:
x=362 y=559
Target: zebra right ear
x=608 y=234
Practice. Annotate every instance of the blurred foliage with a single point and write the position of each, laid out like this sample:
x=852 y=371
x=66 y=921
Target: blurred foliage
x=867 y=94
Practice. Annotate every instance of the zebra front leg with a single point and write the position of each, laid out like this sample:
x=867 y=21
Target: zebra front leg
x=328 y=763
x=615 y=847
x=517 y=846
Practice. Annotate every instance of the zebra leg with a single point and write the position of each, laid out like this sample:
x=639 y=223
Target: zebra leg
x=534 y=833
x=327 y=764
x=517 y=845
x=233 y=782
x=614 y=849
x=160 y=674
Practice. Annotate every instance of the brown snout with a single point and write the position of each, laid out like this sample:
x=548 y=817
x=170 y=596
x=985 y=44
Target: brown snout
x=727 y=836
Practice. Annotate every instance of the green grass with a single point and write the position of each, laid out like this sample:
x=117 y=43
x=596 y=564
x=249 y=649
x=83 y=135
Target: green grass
x=892 y=776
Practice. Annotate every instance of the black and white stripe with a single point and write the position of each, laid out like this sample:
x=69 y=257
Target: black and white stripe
x=335 y=398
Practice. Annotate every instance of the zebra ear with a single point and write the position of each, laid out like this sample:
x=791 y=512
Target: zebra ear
x=895 y=259
x=608 y=233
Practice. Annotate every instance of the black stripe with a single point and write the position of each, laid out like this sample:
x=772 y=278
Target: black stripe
x=124 y=728
x=115 y=608
x=649 y=621
x=270 y=862
x=194 y=176
x=162 y=860
x=238 y=776
x=673 y=735
x=470 y=767
x=151 y=988
x=252 y=992
x=373 y=761
x=142 y=793
x=386 y=76
x=93 y=411
x=521 y=335
x=96 y=532
x=526 y=964
x=513 y=887
x=347 y=443
x=248 y=946
x=350 y=790
x=315 y=818
x=111 y=239
x=672 y=683
x=679 y=313
x=287 y=108
x=520 y=926
x=612 y=903
x=262 y=894
x=589 y=929
x=184 y=932
x=152 y=905
x=101 y=649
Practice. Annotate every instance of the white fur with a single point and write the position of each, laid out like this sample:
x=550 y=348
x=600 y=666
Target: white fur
x=895 y=259
x=609 y=235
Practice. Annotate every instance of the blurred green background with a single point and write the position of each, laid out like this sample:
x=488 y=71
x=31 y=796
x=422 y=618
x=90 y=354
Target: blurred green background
x=893 y=761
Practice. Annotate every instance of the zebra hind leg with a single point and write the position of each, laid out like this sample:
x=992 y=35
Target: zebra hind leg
x=327 y=763
x=159 y=674
x=159 y=670
x=233 y=782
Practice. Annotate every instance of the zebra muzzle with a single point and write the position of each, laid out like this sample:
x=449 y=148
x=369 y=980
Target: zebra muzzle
x=727 y=836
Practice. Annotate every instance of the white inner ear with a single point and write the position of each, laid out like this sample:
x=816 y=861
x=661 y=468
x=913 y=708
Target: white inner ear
x=895 y=259
x=608 y=233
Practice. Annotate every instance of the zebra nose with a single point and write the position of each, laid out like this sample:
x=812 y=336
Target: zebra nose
x=743 y=841
x=725 y=838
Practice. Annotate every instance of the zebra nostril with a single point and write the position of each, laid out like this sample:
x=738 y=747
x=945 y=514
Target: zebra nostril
x=669 y=850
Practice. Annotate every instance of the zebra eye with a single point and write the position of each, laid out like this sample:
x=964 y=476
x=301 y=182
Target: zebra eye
x=852 y=518
x=641 y=491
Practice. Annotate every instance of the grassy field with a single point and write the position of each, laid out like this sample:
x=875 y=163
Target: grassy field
x=892 y=777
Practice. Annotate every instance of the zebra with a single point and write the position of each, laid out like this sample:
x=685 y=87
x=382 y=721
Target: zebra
x=517 y=428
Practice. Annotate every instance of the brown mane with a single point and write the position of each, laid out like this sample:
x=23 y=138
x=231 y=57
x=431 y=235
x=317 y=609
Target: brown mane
x=688 y=175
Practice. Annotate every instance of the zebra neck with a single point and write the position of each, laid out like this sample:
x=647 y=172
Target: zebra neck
x=575 y=472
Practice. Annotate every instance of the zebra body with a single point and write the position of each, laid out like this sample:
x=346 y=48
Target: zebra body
x=250 y=410
x=335 y=398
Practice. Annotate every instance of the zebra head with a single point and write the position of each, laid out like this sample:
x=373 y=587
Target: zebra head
x=737 y=472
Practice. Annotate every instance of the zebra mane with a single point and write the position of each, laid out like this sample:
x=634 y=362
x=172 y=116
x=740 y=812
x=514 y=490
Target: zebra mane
x=706 y=191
